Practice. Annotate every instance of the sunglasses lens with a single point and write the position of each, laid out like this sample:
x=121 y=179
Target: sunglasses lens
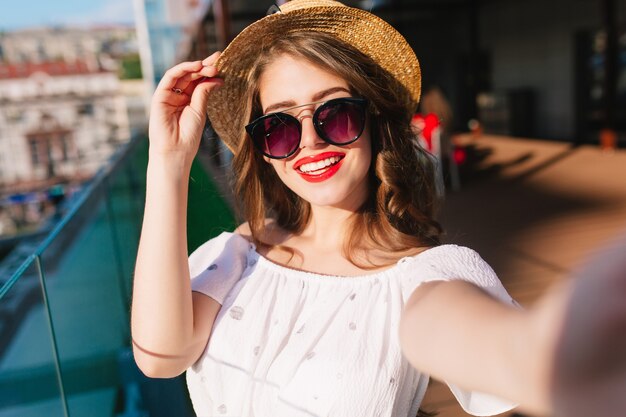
x=342 y=121
x=339 y=121
x=276 y=135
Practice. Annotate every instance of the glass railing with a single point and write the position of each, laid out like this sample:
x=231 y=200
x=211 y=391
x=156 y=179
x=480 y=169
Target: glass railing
x=64 y=313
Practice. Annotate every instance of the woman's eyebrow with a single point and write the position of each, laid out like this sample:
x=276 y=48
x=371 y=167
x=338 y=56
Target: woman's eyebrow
x=325 y=93
x=279 y=105
x=317 y=97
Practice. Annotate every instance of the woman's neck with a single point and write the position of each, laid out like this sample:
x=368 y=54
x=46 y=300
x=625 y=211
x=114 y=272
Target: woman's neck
x=327 y=227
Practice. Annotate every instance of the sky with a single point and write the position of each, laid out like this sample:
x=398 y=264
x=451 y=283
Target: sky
x=18 y=14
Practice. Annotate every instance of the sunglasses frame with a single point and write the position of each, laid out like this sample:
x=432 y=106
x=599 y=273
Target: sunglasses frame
x=360 y=102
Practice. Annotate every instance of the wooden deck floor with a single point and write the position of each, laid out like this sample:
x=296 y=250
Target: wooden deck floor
x=534 y=211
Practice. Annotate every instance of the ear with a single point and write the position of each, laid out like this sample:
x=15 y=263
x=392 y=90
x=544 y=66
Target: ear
x=266 y=159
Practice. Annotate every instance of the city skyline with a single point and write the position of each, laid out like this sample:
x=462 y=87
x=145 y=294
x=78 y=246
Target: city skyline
x=25 y=15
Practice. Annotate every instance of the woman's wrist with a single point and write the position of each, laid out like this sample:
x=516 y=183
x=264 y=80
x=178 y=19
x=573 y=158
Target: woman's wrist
x=171 y=166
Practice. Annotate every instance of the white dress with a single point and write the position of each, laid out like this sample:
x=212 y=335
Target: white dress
x=289 y=343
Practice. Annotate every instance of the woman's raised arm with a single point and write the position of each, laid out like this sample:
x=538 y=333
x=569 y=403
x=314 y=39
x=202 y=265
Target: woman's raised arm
x=170 y=326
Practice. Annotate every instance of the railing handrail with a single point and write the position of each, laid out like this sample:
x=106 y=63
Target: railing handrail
x=106 y=171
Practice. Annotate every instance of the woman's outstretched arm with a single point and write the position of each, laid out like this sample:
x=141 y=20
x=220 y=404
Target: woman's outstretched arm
x=170 y=326
x=563 y=357
x=456 y=332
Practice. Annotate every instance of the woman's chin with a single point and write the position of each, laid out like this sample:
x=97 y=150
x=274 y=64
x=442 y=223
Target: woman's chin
x=338 y=198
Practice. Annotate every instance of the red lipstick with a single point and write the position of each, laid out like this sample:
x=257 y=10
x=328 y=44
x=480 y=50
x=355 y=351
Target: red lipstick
x=321 y=174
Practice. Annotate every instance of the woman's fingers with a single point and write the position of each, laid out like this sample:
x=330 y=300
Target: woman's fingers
x=208 y=70
x=188 y=72
x=200 y=95
x=188 y=84
x=211 y=59
x=179 y=82
x=174 y=74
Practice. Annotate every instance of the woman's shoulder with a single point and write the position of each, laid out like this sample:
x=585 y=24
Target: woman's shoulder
x=244 y=231
x=453 y=262
x=446 y=262
x=271 y=234
x=226 y=244
x=217 y=265
x=451 y=259
x=449 y=252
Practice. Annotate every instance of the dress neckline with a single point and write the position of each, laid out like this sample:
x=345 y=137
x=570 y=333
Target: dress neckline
x=255 y=257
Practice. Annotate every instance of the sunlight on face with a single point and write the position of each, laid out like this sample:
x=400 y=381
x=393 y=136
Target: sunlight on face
x=321 y=173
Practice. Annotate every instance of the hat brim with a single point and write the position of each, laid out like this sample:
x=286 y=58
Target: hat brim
x=366 y=32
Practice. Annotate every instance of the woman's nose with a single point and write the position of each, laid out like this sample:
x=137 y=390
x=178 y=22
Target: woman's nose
x=310 y=138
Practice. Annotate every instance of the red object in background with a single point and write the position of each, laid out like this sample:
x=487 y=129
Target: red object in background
x=608 y=139
x=425 y=126
x=459 y=155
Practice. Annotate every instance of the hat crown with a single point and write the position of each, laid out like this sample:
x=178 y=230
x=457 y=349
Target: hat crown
x=306 y=4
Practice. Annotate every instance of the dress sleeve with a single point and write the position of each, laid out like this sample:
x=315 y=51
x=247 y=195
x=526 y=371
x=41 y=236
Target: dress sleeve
x=217 y=265
x=451 y=262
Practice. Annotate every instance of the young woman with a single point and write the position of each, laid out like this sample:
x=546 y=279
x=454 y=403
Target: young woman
x=335 y=298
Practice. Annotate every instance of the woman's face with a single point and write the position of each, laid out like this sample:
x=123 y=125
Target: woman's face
x=342 y=182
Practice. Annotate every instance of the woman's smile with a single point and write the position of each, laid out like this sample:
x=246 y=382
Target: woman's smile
x=320 y=167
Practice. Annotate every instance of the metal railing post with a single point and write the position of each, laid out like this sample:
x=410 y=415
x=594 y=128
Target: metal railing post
x=53 y=339
x=118 y=257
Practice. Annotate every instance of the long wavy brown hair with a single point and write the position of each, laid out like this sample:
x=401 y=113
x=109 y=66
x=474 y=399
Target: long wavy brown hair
x=399 y=212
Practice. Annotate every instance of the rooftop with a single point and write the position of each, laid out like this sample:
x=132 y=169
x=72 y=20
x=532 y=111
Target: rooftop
x=52 y=68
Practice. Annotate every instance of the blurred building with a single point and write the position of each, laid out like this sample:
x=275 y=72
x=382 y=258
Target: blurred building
x=59 y=122
x=100 y=45
x=547 y=62
x=69 y=96
x=164 y=27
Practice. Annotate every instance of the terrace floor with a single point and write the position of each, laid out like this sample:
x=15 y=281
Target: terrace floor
x=534 y=210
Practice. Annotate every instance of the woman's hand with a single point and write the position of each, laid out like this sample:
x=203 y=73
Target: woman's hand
x=178 y=109
x=589 y=377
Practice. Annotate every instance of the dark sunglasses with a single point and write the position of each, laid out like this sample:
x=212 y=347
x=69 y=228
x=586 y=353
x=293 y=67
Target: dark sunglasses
x=339 y=121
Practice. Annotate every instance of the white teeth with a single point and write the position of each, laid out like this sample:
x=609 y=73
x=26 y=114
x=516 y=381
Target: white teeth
x=315 y=166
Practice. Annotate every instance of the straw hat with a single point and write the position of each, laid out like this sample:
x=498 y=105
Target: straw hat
x=363 y=30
